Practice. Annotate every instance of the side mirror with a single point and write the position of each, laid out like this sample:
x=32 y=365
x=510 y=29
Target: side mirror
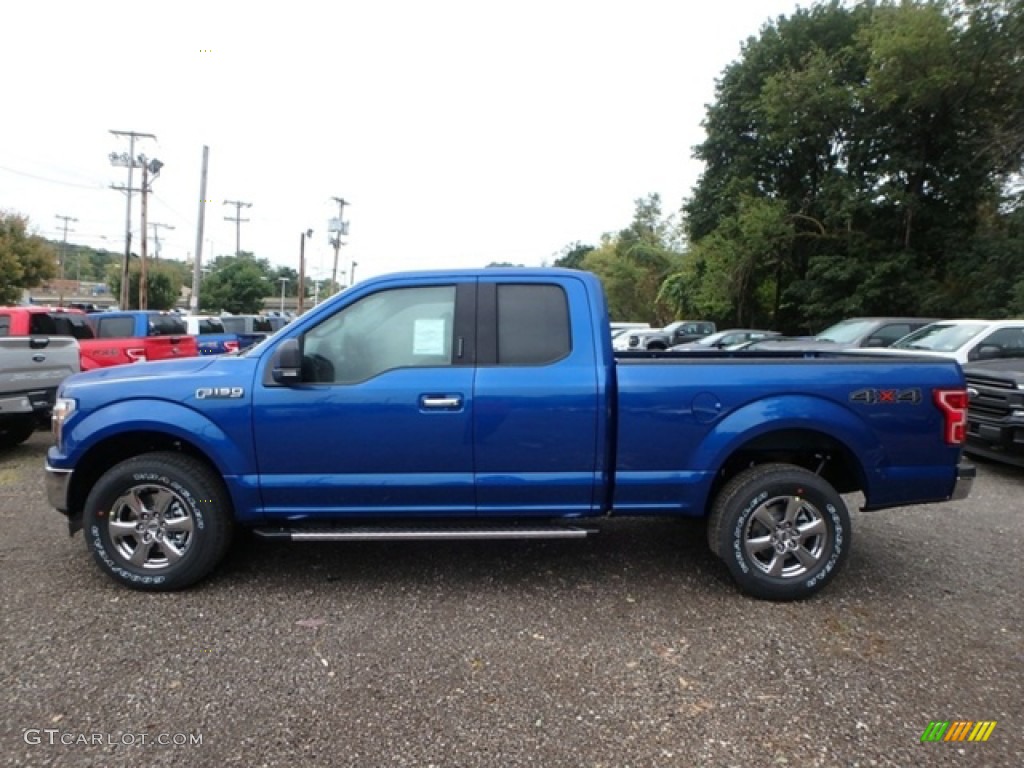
x=287 y=363
x=989 y=352
x=874 y=342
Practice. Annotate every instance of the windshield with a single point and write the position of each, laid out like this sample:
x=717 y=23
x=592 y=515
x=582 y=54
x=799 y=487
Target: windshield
x=713 y=339
x=846 y=331
x=940 y=337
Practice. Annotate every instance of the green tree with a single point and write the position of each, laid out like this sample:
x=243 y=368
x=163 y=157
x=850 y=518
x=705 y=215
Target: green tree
x=25 y=260
x=236 y=284
x=634 y=263
x=887 y=133
x=163 y=284
x=572 y=256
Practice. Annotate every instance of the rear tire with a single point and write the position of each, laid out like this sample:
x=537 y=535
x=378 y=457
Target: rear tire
x=158 y=522
x=783 y=531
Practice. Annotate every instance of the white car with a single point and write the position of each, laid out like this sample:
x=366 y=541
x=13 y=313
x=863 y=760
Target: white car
x=966 y=340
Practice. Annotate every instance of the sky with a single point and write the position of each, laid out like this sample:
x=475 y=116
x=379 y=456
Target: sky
x=460 y=133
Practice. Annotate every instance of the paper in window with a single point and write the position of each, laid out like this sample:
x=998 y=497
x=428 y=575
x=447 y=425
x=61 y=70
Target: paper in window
x=428 y=336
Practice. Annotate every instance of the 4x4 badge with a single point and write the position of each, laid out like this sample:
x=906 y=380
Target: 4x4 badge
x=871 y=396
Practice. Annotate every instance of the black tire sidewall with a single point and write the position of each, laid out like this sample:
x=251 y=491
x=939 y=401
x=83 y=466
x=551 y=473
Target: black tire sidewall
x=15 y=430
x=746 y=501
x=142 y=471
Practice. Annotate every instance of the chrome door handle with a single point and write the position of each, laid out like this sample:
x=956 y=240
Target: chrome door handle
x=440 y=402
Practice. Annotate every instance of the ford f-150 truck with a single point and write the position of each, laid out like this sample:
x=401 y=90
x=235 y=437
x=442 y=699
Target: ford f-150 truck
x=141 y=335
x=31 y=368
x=489 y=403
x=213 y=338
x=104 y=339
x=995 y=413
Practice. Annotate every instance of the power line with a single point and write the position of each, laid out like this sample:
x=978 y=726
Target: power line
x=96 y=186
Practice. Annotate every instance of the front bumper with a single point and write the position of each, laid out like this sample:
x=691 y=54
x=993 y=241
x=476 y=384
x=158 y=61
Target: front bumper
x=965 y=474
x=57 y=483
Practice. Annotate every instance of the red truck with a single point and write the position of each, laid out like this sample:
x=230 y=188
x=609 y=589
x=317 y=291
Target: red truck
x=103 y=342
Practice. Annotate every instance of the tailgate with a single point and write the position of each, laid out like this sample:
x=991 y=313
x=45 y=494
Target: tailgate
x=169 y=347
x=33 y=367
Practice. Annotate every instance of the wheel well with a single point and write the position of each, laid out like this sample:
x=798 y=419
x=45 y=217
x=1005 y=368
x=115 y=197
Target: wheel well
x=814 y=451
x=114 y=450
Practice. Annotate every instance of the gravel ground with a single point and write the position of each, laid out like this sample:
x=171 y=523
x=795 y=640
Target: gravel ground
x=631 y=648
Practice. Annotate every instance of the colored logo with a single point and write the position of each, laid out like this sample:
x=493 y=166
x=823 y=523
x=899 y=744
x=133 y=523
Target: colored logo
x=958 y=730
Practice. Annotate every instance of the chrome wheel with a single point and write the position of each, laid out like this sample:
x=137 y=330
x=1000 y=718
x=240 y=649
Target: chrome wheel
x=785 y=537
x=150 y=527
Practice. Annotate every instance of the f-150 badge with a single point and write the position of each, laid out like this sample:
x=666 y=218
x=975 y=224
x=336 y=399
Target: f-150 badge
x=210 y=393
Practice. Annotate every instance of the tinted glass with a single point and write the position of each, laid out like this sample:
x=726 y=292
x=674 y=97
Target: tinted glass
x=5 y=325
x=887 y=334
x=1009 y=341
x=72 y=325
x=212 y=325
x=41 y=324
x=115 y=327
x=533 y=324
x=167 y=325
x=233 y=324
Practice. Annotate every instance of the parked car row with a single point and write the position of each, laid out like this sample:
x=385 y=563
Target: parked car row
x=672 y=334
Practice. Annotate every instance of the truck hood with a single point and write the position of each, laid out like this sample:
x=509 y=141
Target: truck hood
x=155 y=369
x=1008 y=369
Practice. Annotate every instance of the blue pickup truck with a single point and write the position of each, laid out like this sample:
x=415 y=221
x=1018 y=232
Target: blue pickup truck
x=489 y=404
x=214 y=338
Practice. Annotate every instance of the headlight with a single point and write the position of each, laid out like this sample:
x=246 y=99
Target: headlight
x=62 y=410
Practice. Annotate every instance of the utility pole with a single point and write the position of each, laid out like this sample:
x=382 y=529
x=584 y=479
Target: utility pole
x=302 y=271
x=237 y=218
x=143 y=276
x=198 y=264
x=284 y=282
x=156 y=225
x=128 y=160
x=148 y=166
x=64 y=243
x=337 y=227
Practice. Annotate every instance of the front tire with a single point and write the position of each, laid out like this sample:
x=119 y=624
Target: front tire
x=15 y=430
x=158 y=522
x=783 y=531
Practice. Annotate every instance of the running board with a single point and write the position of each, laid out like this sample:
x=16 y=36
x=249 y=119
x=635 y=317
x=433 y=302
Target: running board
x=424 y=533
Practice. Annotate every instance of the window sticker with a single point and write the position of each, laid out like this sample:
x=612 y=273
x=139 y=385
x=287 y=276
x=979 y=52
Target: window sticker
x=428 y=336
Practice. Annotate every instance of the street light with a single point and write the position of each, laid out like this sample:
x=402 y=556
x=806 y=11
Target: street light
x=284 y=282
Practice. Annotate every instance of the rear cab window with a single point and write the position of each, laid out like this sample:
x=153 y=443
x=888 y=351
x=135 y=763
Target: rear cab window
x=533 y=324
x=169 y=325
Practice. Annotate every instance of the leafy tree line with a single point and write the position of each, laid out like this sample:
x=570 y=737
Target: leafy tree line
x=862 y=160
x=857 y=160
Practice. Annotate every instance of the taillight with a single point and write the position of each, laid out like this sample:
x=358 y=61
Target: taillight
x=231 y=346
x=136 y=355
x=953 y=404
